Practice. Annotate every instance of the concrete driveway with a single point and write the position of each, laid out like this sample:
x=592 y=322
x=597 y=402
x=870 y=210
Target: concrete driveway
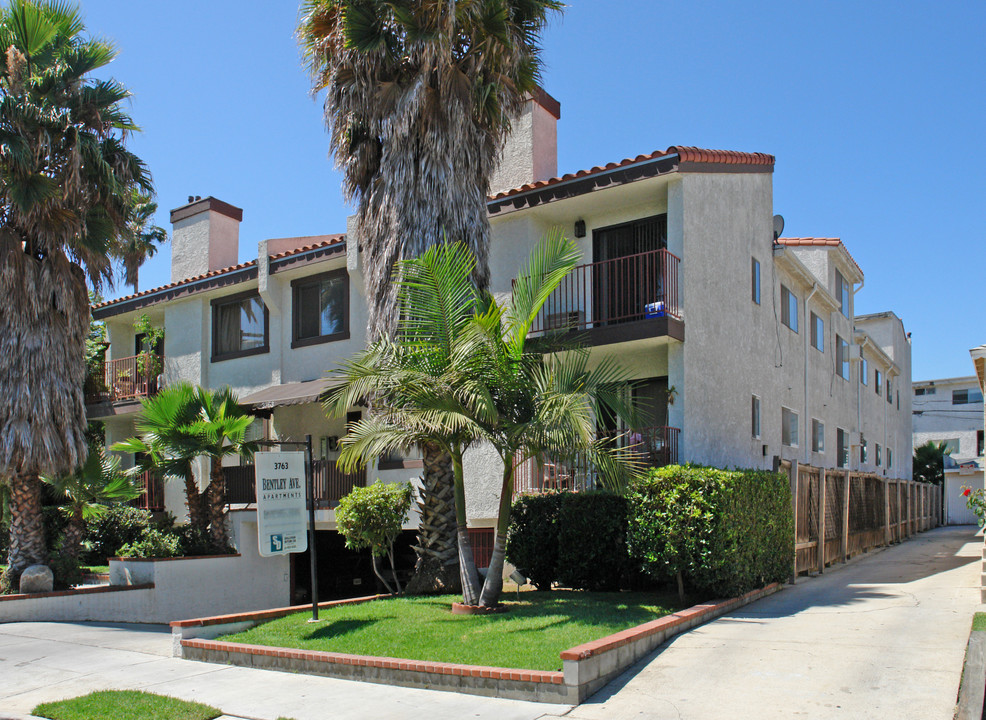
x=883 y=637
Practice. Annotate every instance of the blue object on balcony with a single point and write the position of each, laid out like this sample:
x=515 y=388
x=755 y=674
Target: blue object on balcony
x=654 y=309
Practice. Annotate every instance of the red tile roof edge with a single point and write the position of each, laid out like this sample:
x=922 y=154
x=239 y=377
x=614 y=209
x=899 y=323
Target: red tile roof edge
x=222 y=271
x=686 y=153
x=819 y=242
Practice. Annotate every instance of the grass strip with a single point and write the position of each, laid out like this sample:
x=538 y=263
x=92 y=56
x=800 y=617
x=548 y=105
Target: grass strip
x=125 y=705
x=979 y=621
x=530 y=635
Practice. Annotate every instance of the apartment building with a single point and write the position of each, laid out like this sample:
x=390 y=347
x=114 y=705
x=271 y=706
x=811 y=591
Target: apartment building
x=745 y=345
x=950 y=411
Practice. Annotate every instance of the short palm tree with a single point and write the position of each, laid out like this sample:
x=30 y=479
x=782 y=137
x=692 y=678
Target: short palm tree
x=459 y=372
x=89 y=491
x=419 y=97
x=182 y=423
x=67 y=185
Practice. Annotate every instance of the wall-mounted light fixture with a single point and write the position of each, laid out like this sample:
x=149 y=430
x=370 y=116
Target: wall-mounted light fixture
x=580 y=228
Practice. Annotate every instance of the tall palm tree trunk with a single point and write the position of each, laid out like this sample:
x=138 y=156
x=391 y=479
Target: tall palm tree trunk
x=438 y=556
x=493 y=585
x=217 y=506
x=468 y=574
x=197 y=515
x=27 y=538
x=73 y=533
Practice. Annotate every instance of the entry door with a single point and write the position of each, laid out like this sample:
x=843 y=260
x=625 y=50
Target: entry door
x=627 y=279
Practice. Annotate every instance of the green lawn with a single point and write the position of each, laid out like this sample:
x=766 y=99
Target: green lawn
x=125 y=705
x=979 y=621
x=530 y=635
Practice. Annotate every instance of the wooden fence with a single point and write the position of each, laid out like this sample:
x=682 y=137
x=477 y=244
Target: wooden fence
x=840 y=513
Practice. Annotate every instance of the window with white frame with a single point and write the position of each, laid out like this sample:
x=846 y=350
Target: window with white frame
x=789 y=427
x=817 y=436
x=789 y=308
x=817 y=333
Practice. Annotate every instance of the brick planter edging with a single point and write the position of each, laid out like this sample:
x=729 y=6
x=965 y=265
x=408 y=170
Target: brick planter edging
x=586 y=667
x=77 y=591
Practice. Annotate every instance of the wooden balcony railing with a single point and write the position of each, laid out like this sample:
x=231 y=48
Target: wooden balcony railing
x=124 y=379
x=624 y=289
x=331 y=483
x=654 y=446
x=152 y=493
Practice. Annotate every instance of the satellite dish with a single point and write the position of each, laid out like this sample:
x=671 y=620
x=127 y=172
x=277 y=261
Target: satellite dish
x=778 y=226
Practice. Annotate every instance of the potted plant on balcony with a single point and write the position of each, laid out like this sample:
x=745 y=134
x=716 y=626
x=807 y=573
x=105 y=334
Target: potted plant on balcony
x=149 y=361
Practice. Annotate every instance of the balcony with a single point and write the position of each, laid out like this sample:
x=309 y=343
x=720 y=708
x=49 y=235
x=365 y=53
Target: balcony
x=124 y=379
x=624 y=298
x=331 y=483
x=151 y=493
x=653 y=447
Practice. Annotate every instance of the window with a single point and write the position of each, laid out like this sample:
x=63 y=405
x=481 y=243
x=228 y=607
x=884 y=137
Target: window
x=931 y=390
x=789 y=308
x=864 y=371
x=755 y=281
x=878 y=382
x=965 y=397
x=890 y=458
x=864 y=453
x=817 y=333
x=952 y=445
x=890 y=391
x=842 y=292
x=789 y=427
x=842 y=451
x=842 y=358
x=239 y=326
x=321 y=308
x=980 y=449
x=879 y=454
x=817 y=436
x=755 y=416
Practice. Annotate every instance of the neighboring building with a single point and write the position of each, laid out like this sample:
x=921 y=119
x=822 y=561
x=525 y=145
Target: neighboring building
x=950 y=410
x=775 y=364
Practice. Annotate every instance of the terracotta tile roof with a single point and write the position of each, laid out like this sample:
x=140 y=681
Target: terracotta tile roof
x=333 y=239
x=819 y=242
x=686 y=154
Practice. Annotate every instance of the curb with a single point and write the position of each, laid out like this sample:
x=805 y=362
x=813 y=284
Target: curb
x=972 y=690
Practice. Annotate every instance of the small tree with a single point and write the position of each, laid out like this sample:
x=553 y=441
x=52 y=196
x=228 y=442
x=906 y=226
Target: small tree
x=372 y=517
x=929 y=462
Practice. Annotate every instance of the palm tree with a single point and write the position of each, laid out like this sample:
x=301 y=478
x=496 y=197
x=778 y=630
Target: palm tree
x=459 y=371
x=419 y=97
x=89 y=491
x=182 y=423
x=929 y=462
x=66 y=191
x=142 y=237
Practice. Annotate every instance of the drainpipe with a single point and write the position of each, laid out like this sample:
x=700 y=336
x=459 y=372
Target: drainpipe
x=808 y=330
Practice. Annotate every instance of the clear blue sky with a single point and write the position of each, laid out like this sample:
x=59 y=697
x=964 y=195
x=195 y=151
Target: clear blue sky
x=875 y=112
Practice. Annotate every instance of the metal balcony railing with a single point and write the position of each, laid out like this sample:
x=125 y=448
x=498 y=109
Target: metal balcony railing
x=125 y=379
x=152 y=493
x=624 y=289
x=654 y=447
x=331 y=483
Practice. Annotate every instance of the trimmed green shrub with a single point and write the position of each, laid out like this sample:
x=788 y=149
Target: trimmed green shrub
x=65 y=570
x=532 y=537
x=592 y=551
x=154 y=544
x=722 y=532
x=113 y=529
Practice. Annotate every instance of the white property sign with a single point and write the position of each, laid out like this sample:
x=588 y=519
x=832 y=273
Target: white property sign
x=281 y=521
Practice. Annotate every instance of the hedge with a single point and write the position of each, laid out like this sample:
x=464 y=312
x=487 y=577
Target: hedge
x=575 y=538
x=726 y=532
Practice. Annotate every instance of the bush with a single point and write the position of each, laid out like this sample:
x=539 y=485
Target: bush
x=592 y=551
x=532 y=537
x=118 y=526
x=154 y=544
x=725 y=532
x=193 y=542
x=65 y=570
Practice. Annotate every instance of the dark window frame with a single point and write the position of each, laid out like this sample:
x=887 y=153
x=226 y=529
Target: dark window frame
x=817 y=332
x=296 y=287
x=755 y=281
x=789 y=309
x=229 y=300
x=841 y=448
x=842 y=360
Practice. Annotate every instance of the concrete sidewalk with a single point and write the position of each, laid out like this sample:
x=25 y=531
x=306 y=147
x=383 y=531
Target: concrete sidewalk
x=880 y=638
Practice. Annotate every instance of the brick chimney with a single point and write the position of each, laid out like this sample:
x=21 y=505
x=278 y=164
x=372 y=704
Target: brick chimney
x=206 y=237
x=531 y=150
